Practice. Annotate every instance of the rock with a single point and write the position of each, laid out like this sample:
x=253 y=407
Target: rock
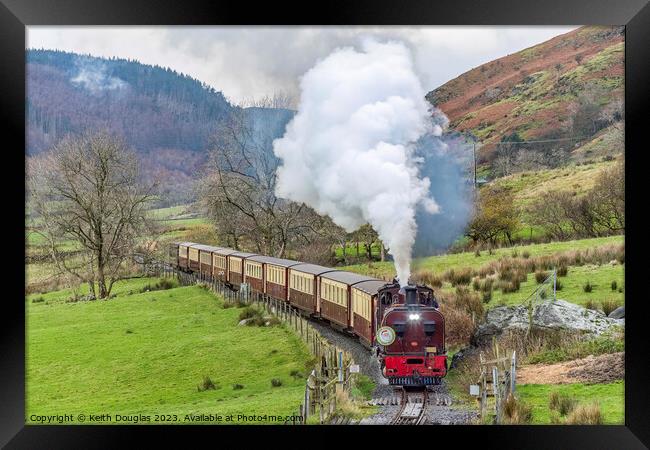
x=549 y=315
x=618 y=313
x=243 y=322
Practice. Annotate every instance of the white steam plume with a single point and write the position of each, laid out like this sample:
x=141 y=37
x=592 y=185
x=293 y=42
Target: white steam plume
x=348 y=151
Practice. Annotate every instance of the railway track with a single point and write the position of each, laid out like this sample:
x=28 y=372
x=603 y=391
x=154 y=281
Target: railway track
x=413 y=407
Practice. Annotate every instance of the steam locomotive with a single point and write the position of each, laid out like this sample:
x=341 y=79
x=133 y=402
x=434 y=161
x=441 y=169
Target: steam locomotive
x=411 y=338
x=402 y=324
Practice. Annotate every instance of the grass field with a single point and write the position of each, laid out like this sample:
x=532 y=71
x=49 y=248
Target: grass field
x=599 y=277
x=146 y=353
x=439 y=264
x=610 y=396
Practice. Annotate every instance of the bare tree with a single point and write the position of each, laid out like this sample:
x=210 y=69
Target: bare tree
x=238 y=189
x=507 y=153
x=87 y=191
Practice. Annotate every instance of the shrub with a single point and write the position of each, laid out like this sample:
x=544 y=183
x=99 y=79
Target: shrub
x=237 y=386
x=459 y=326
x=206 y=384
x=459 y=276
x=562 y=271
x=161 y=285
x=427 y=277
x=476 y=284
x=525 y=254
x=510 y=286
x=38 y=299
x=585 y=415
x=469 y=302
x=562 y=403
x=486 y=286
x=588 y=287
x=540 y=276
x=477 y=252
x=296 y=374
x=276 y=382
x=614 y=285
x=609 y=306
x=487 y=296
x=249 y=313
x=516 y=412
x=558 y=285
x=128 y=332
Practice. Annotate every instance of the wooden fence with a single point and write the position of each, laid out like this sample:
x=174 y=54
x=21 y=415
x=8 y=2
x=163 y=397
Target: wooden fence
x=331 y=373
x=498 y=380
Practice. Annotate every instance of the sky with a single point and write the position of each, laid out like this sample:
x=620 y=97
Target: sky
x=252 y=62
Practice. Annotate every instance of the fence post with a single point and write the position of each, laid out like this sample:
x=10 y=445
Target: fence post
x=497 y=392
x=513 y=372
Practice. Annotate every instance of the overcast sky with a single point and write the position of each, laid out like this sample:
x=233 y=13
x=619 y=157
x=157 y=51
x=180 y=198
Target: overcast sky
x=245 y=62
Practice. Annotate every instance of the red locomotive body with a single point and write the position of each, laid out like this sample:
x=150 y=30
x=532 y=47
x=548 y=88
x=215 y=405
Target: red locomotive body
x=411 y=336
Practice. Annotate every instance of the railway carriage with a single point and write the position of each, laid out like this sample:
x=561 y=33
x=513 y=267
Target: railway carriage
x=254 y=275
x=173 y=254
x=364 y=302
x=205 y=258
x=193 y=257
x=220 y=263
x=304 y=284
x=402 y=323
x=274 y=275
x=236 y=266
x=334 y=296
x=183 y=254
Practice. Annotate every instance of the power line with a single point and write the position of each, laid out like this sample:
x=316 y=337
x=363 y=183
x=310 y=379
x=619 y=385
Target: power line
x=541 y=140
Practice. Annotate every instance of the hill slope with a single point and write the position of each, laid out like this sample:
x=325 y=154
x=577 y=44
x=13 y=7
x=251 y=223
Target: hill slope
x=169 y=118
x=569 y=87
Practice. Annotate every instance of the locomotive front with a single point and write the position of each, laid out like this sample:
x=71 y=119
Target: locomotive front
x=411 y=336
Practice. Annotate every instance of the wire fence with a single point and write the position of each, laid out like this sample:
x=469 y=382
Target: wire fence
x=331 y=374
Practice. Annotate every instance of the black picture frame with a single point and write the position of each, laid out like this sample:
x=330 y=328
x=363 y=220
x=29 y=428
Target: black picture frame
x=15 y=15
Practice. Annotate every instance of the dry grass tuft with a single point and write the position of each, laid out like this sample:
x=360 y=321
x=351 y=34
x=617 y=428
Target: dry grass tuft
x=589 y=414
x=516 y=412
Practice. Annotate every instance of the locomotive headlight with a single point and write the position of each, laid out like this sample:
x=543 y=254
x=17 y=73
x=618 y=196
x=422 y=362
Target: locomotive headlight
x=414 y=317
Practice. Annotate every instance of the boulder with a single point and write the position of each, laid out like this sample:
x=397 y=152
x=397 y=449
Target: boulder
x=618 y=313
x=244 y=322
x=550 y=315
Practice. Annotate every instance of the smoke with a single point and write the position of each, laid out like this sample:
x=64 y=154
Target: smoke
x=349 y=151
x=91 y=75
x=446 y=161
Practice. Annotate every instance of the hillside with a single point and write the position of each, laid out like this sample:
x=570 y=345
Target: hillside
x=168 y=118
x=570 y=88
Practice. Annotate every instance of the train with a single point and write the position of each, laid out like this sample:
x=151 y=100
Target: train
x=401 y=324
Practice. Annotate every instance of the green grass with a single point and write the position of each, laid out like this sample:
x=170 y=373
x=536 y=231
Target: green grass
x=572 y=291
x=351 y=250
x=580 y=349
x=185 y=223
x=363 y=387
x=146 y=354
x=611 y=397
x=171 y=211
x=439 y=264
x=121 y=287
x=528 y=186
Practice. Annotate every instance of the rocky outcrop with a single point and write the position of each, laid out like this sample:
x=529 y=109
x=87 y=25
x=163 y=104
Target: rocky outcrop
x=618 y=313
x=550 y=315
